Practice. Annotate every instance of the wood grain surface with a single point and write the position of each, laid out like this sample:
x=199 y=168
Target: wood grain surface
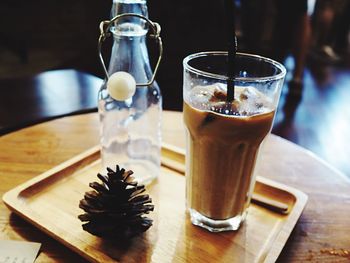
x=321 y=234
x=49 y=201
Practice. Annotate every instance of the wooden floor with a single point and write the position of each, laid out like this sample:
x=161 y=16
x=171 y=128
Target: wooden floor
x=320 y=119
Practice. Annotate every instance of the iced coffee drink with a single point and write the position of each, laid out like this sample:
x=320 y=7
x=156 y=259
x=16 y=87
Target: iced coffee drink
x=223 y=142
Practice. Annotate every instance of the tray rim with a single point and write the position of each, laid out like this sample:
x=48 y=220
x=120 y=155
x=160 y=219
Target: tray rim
x=13 y=200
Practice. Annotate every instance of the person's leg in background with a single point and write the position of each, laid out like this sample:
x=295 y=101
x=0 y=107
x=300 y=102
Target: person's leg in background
x=292 y=35
x=300 y=48
x=341 y=27
x=331 y=23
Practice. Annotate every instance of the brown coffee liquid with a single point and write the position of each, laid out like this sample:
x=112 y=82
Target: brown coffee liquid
x=222 y=152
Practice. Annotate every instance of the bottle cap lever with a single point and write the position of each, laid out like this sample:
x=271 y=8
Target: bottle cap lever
x=104 y=33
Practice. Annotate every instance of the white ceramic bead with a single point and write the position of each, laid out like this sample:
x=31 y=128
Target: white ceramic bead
x=121 y=85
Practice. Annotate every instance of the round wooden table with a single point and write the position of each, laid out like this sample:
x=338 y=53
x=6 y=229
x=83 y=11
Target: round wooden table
x=321 y=234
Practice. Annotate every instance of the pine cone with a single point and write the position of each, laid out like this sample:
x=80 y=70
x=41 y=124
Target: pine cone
x=116 y=207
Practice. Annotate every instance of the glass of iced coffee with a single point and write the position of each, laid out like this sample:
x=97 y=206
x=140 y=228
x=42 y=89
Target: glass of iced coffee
x=223 y=136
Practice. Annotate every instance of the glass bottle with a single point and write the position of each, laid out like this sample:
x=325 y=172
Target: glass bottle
x=130 y=130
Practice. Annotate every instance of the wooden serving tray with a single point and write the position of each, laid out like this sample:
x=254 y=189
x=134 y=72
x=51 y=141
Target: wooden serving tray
x=50 y=202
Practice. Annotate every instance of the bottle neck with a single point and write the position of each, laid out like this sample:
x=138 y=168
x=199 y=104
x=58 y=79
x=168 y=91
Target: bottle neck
x=129 y=53
x=129 y=6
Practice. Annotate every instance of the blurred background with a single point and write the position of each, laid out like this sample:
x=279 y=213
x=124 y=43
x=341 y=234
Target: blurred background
x=49 y=65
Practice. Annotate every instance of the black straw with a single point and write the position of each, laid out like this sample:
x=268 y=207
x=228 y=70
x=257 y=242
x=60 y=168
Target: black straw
x=232 y=48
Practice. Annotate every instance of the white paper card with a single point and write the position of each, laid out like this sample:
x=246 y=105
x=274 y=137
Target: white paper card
x=18 y=251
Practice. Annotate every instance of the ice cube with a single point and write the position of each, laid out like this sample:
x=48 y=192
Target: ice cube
x=203 y=96
x=252 y=101
x=248 y=93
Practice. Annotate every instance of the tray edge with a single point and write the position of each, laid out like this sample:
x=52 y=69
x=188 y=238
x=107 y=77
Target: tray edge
x=11 y=201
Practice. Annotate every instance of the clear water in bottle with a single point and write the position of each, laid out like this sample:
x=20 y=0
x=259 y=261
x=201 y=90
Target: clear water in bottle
x=130 y=131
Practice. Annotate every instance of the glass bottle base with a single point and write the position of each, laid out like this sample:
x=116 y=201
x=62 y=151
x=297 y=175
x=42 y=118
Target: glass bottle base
x=144 y=171
x=230 y=224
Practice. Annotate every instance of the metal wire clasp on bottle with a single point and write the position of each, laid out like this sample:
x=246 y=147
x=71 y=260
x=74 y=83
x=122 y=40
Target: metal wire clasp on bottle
x=105 y=32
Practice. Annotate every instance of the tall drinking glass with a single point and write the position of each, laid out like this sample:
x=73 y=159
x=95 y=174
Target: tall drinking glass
x=224 y=138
